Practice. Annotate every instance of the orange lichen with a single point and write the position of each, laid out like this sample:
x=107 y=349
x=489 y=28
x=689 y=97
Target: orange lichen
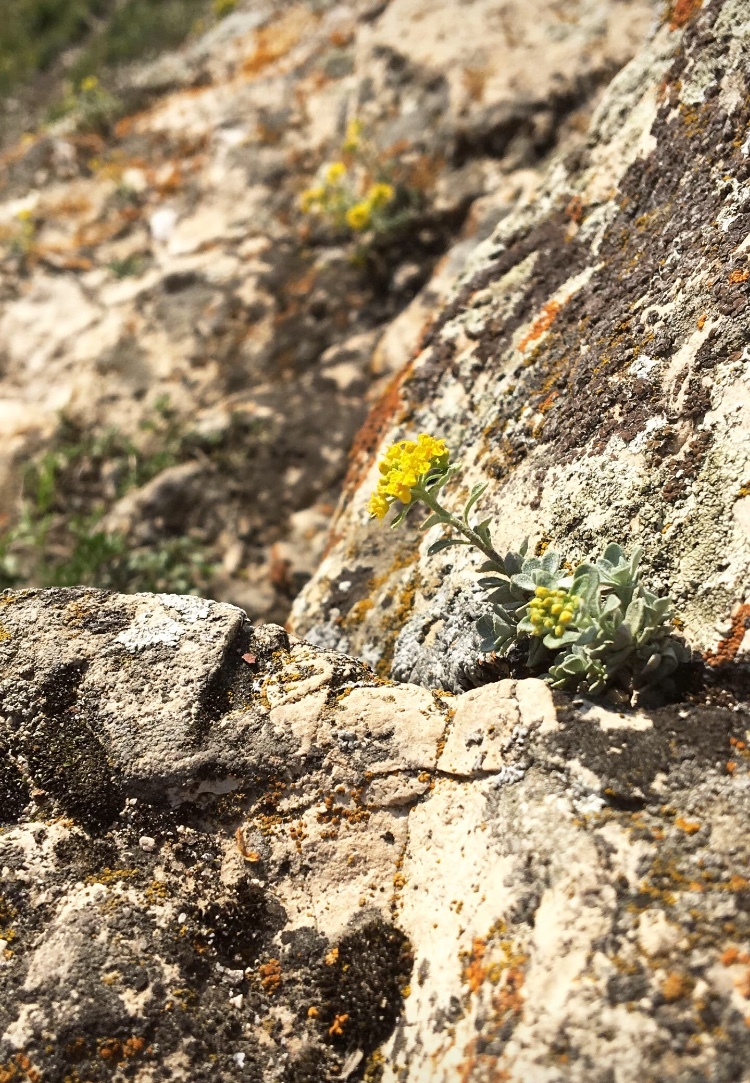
x=742 y=984
x=274 y=41
x=729 y=646
x=739 y=276
x=270 y=975
x=701 y=322
x=688 y=826
x=680 y=11
x=474 y=972
x=332 y=957
x=337 y=1026
x=541 y=324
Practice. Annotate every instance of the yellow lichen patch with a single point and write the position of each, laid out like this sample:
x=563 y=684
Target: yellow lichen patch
x=4 y=633
x=110 y=876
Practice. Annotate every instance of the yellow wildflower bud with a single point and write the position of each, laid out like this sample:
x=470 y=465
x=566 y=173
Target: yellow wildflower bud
x=25 y=215
x=380 y=194
x=541 y=592
x=549 y=623
x=559 y=629
x=378 y=506
x=556 y=609
x=358 y=216
x=560 y=594
x=334 y=172
x=565 y=617
x=89 y=83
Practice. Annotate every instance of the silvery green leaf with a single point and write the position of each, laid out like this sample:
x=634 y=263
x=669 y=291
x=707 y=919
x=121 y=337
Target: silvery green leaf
x=432 y=520
x=537 y=653
x=613 y=554
x=556 y=643
x=550 y=561
x=401 y=515
x=492 y=566
x=445 y=543
x=483 y=530
x=523 y=582
x=476 y=492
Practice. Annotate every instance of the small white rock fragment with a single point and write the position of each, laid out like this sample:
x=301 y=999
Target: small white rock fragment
x=147 y=843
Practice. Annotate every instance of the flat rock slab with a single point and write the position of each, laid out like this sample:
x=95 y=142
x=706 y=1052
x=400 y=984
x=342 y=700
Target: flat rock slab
x=227 y=855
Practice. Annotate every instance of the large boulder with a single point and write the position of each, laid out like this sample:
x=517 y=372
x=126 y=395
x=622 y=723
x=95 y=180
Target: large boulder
x=229 y=855
x=591 y=366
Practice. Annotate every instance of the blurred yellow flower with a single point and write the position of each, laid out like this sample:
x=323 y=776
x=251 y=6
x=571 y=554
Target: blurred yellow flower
x=358 y=216
x=311 y=196
x=334 y=172
x=380 y=194
x=89 y=83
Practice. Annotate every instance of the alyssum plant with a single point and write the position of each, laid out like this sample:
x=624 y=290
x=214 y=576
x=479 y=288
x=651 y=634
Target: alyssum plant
x=587 y=629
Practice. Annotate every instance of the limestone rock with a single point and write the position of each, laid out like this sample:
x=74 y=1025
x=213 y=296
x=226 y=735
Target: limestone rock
x=591 y=366
x=228 y=854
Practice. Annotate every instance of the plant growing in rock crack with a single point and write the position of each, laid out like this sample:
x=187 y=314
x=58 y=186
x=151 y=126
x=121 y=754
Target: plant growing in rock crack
x=587 y=628
x=359 y=192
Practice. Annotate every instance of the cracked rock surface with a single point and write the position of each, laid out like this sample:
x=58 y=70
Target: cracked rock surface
x=228 y=854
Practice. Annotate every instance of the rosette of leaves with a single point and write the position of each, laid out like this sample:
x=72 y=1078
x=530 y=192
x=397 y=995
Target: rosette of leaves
x=617 y=630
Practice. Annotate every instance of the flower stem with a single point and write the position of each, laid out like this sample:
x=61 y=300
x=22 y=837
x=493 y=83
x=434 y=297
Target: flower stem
x=459 y=525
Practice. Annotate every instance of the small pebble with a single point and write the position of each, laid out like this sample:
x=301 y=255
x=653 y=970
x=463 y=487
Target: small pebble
x=147 y=843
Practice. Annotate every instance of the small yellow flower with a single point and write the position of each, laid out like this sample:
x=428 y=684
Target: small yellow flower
x=26 y=215
x=402 y=467
x=89 y=83
x=378 y=506
x=334 y=172
x=380 y=194
x=311 y=197
x=358 y=216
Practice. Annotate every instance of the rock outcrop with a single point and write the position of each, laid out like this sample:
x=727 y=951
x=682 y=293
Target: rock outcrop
x=169 y=257
x=592 y=367
x=229 y=855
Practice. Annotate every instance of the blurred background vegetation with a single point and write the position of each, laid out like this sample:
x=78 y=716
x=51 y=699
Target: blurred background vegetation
x=36 y=33
x=48 y=47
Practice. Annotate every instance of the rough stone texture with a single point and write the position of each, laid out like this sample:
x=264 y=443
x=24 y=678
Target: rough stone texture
x=230 y=855
x=592 y=367
x=253 y=320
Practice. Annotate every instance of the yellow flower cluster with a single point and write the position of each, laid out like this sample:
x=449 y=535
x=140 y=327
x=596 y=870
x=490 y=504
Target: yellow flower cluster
x=359 y=216
x=551 y=611
x=402 y=467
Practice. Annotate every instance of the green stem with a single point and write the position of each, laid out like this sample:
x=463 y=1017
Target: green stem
x=459 y=525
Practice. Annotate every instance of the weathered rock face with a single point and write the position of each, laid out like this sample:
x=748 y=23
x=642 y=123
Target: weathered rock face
x=170 y=257
x=592 y=367
x=229 y=855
